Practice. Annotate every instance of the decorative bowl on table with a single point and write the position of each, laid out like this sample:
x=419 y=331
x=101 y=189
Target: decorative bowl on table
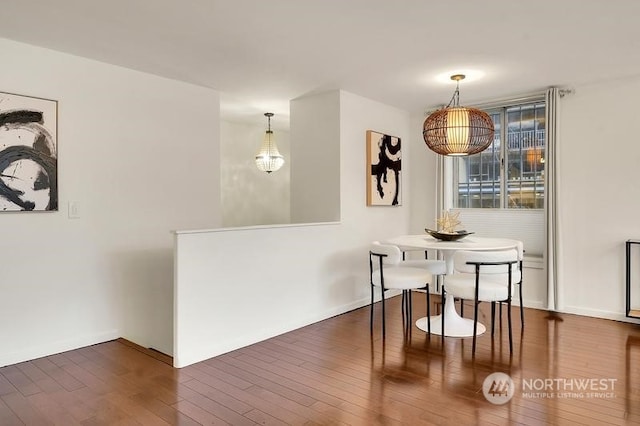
x=445 y=236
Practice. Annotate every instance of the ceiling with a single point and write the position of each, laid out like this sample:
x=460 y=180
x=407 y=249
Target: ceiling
x=261 y=54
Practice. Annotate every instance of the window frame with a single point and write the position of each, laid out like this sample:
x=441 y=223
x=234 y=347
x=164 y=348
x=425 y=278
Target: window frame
x=500 y=107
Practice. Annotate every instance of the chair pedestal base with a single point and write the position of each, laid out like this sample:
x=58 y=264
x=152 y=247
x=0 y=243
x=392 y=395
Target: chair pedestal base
x=455 y=325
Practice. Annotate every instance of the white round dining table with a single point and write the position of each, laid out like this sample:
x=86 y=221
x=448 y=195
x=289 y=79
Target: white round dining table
x=455 y=325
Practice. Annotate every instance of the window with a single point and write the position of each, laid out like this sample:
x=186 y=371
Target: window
x=506 y=175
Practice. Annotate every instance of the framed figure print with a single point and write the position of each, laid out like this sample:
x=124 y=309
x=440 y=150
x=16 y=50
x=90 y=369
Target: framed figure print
x=28 y=153
x=384 y=169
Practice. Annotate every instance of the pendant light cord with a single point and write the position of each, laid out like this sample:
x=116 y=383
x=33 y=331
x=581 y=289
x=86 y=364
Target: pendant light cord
x=455 y=99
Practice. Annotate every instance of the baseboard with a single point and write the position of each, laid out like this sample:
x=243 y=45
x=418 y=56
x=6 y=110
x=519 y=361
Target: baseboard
x=533 y=262
x=596 y=313
x=39 y=351
x=534 y=304
x=153 y=353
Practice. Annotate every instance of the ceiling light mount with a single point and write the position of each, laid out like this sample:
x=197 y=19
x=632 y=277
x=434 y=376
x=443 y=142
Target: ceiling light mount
x=456 y=130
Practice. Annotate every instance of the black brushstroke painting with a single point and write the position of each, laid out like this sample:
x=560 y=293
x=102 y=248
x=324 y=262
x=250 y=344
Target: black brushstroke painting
x=388 y=161
x=17 y=152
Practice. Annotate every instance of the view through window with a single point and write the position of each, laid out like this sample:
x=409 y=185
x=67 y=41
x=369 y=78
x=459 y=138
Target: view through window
x=511 y=174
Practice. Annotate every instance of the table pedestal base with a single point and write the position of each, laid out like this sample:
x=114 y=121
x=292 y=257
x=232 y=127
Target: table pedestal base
x=455 y=325
x=461 y=327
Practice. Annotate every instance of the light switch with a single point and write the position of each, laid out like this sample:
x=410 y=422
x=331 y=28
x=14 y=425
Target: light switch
x=74 y=212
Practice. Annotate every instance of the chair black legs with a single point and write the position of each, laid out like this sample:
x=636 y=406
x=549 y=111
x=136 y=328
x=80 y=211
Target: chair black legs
x=371 y=316
x=493 y=315
x=407 y=310
x=493 y=320
x=475 y=326
x=509 y=321
x=476 y=302
x=383 y=315
x=521 y=310
x=428 y=310
x=404 y=308
x=521 y=307
x=442 y=302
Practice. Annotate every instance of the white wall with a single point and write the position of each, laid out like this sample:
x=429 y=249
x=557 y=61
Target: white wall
x=236 y=287
x=357 y=115
x=315 y=156
x=423 y=179
x=249 y=196
x=139 y=155
x=599 y=194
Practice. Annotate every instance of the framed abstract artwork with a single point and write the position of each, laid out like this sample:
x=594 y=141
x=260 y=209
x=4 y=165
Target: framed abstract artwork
x=384 y=169
x=28 y=153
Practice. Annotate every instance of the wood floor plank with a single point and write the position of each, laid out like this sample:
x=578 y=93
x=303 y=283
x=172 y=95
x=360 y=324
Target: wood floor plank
x=48 y=406
x=44 y=381
x=20 y=381
x=95 y=357
x=6 y=387
x=107 y=413
x=7 y=416
x=199 y=414
x=24 y=410
x=163 y=388
x=251 y=401
x=210 y=377
x=224 y=394
x=87 y=378
x=136 y=412
x=265 y=419
x=335 y=415
x=54 y=371
x=76 y=406
x=280 y=402
x=168 y=413
x=96 y=408
x=220 y=411
x=203 y=369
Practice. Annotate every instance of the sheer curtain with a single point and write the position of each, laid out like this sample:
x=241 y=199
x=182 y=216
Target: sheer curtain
x=551 y=223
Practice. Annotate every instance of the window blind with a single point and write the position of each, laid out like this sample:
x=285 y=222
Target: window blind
x=526 y=225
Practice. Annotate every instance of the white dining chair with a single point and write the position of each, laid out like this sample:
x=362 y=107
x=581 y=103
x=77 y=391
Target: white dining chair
x=435 y=266
x=484 y=276
x=387 y=272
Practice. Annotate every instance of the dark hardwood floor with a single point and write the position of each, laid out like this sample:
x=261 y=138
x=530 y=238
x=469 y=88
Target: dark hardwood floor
x=333 y=372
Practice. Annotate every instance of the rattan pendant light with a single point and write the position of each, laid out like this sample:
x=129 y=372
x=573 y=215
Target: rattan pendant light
x=456 y=130
x=268 y=159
